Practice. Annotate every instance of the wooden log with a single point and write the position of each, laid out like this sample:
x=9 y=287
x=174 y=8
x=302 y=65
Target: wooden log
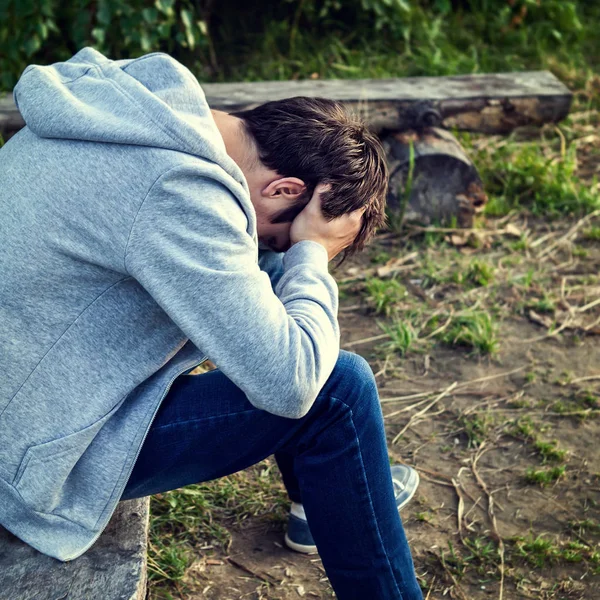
x=442 y=184
x=113 y=568
x=495 y=103
x=10 y=117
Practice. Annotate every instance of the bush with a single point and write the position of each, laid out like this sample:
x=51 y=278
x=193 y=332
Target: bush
x=49 y=30
x=279 y=39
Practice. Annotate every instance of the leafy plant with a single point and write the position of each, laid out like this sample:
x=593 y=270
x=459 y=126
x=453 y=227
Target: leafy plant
x=475 y=330
x=384 y=294
x=402 y=336
x=545 y=476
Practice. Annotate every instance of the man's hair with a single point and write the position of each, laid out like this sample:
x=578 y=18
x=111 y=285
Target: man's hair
x=318 y=141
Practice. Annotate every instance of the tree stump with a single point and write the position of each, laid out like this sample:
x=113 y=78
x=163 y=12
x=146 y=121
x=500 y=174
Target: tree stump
x=439 y=185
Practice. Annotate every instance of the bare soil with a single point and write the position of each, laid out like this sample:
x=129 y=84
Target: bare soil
x=478 y=526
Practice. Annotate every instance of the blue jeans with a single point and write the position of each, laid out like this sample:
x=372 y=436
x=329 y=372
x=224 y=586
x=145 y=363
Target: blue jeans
x=334 y=461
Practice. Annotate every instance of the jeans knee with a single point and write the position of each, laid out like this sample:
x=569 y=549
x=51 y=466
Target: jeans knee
x=352 y=380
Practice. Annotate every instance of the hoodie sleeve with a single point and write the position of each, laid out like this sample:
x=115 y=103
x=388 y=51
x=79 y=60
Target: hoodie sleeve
x=189 y=248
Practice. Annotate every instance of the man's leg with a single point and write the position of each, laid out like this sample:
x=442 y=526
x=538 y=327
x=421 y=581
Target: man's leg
x=206 y=428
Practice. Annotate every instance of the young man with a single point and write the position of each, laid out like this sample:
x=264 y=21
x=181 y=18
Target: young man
x=141 y=234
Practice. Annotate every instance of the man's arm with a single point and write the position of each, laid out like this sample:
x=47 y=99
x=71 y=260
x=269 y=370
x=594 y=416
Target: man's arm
x=190 y=250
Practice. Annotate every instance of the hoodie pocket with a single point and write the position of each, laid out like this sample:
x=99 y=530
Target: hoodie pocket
x=46 y=467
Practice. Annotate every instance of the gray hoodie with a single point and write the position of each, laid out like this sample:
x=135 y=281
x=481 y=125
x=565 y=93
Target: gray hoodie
x=129 y=254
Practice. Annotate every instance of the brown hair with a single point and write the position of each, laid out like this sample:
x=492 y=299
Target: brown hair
x=318 y=141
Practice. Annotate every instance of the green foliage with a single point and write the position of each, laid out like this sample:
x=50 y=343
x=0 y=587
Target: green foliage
x=384 y=294
x=543 y=552
x=545 y=476
x=475 y=330
x=549 y=451
x=51 y=30
x=402 y=336
x=476 y=427
x=593 y=233
x=282 y=40
x=479 y=273
x=522 y=175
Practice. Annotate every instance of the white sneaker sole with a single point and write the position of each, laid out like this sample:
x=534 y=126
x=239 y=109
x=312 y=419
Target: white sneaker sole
x=299 y=547
x=418 y=481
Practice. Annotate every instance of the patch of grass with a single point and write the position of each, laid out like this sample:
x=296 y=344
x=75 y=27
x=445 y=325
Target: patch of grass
x=519 y=174
x=199 y=514
x=593 y=233
x=453 y=561
x=380 y=257
x=549 y=451
x=537 y=551
x=545 y=304
x=585 y=525
x=477 y=428
x=384 y=294
x=483 y=551
x=167 y=561
x=542 y=552
x=402 y=336
x=545 y=477
x=479 y=273
x=425 y=517
x=525 y=428
x=474 y=330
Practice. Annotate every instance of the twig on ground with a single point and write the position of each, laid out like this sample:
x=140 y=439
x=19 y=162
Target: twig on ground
x=366 y=340
x=582 y=379
x=266 y=578
x=459 y=386
x=424 y=410
x=491 y=514
x=569 y=235
x=461 y=508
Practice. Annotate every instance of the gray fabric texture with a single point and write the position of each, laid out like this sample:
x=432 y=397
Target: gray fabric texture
x=129 y=254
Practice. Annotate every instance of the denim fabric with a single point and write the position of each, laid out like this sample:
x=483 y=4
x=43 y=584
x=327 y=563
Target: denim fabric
x=334 y=460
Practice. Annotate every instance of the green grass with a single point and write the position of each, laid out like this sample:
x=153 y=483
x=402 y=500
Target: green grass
x=402 y=336
x=384 y=295
x=203 y=514
x=545 y=477
x=476 y=428
x=479 y=273
x=549 y=451
x=543 y=552
x=534 y=175
x=545 y=304
x=593 y=233
x=283 y=43
x=474 y=330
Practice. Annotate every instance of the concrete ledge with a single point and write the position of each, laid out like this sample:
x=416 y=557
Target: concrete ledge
x=114 y=568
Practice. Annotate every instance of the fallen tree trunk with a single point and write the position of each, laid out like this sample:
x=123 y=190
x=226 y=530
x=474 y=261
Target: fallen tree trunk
x=496 y=103
x=432 y=180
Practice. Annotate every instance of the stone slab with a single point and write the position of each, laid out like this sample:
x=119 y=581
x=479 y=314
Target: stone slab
x=114 y=568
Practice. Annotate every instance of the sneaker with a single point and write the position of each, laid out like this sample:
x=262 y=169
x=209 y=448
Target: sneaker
x=298 y=537
x=406 y=482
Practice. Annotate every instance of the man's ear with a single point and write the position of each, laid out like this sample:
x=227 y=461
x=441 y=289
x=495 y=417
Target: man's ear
x=286 y=188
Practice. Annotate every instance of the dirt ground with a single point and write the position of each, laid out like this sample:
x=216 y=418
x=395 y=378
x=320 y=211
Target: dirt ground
x=507 y=446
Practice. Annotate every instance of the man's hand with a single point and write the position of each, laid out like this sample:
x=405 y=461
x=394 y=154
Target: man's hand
x=335 y=235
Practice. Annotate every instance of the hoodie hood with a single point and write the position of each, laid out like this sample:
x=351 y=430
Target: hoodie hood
x=149 y=101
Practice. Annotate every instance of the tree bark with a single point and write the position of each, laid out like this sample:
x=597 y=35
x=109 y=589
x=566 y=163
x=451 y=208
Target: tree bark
x=495 y=103
x=439 y=184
